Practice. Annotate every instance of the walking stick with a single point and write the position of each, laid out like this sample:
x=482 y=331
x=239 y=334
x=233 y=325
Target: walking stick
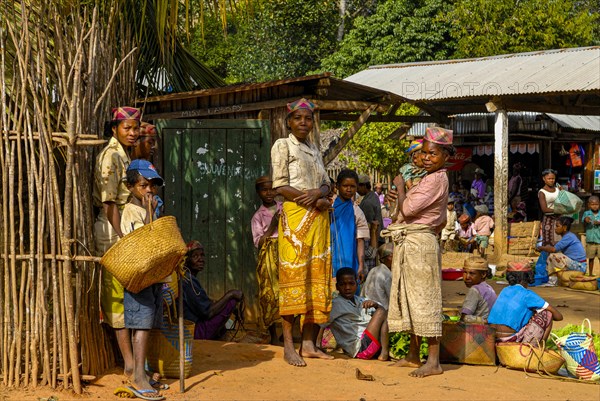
x=181 y=340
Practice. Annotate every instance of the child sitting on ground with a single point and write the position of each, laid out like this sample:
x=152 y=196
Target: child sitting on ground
x=360 y=334
x=449 y=231
x=483 y=226
x=379 y=281
x=519 y=314
x=481 y=296
x=567 y=254
x=591 y=219
x=143 y=310
x=466 y=233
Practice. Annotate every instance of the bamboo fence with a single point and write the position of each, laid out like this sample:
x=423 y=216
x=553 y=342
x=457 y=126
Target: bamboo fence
x=60 y=72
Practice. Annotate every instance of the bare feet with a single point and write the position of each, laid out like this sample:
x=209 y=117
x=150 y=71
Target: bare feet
x=405 y=363
x=317 y=353
x=427 y=370
x=384 y=356
x=291 y=357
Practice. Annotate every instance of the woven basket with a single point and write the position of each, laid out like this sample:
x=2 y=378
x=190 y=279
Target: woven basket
x=564 y=277
x=146 y=255
x=163 y=349
x=522 y=356
x=589 y=283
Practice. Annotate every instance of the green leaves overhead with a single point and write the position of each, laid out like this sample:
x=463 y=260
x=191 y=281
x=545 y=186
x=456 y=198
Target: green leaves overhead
x=485 y=27
x=400 y=31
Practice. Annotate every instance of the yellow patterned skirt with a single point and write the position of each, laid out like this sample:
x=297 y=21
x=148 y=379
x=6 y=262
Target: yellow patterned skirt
x=267 y=273
x=304 y=263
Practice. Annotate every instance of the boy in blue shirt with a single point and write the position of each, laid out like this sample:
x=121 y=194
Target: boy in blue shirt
x=567 y=254
x=591 y=220
x=360 y=334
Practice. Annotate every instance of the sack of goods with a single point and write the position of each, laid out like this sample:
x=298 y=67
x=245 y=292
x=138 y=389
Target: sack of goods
x=567 y=203
x=147 y=255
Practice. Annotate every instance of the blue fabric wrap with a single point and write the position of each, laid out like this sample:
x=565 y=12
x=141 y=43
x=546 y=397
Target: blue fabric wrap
x=343 y=236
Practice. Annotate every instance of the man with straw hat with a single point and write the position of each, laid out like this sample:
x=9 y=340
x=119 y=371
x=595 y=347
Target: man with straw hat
x=481 y=296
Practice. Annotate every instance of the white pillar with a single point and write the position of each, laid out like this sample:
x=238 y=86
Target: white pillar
x=500 y=182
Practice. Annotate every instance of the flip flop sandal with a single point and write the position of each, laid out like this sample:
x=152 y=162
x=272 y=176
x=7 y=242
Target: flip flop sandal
x=146 y=394
x=124 y=392
x=158 y=385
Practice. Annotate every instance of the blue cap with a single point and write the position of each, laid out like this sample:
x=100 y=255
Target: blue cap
x=146 y=170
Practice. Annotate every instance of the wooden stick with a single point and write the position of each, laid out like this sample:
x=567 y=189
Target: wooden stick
x=181 y=338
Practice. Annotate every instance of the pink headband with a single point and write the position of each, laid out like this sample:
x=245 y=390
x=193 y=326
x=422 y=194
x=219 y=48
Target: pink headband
x=300 y=104
x=438 y=135
x=126 y=113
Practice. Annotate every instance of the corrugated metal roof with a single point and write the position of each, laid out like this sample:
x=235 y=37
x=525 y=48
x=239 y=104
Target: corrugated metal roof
x=588 y=123
x=550 y=71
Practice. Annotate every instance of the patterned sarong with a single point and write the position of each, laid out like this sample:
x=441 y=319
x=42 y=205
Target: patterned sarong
x=533 y=332
x=304 y=263
x=416 y=294
x=549 y=236
x=267 y=272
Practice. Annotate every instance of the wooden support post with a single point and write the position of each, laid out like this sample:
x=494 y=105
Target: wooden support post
x=329 y=156
x=500 y=181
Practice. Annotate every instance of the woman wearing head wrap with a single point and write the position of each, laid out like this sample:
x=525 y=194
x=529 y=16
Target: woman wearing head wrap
x=519 y=314
x=416 y=295
x=304 y=255
x=146 y=144
x=110 y=194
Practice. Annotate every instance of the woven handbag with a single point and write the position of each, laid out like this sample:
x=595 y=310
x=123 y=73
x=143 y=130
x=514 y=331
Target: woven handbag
x=523 y=356
x=146 y=255
x=580 y=355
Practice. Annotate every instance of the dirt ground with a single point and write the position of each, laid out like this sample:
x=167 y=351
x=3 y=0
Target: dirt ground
x=239 y=371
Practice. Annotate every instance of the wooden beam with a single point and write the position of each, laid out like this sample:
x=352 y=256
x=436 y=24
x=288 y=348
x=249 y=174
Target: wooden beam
x=214 y=111
x=551 y=108
x=333 y=152
x=349 y=105
x=385 y=118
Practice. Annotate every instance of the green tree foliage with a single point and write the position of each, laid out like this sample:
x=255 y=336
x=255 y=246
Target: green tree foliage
x=286 y=38
x=400 y=31
x=488 y=27
x=372 y=147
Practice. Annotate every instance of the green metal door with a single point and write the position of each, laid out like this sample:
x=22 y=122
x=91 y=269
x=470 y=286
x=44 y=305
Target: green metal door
x=209 y=168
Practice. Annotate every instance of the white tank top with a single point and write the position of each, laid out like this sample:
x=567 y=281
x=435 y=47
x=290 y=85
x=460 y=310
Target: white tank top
x=550 y=197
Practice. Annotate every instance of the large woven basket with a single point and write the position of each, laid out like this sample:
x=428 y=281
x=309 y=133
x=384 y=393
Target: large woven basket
x=586 y=283
x=146 y=255
x=525 y=357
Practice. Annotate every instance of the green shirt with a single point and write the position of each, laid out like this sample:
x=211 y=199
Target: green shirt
x=592 y=231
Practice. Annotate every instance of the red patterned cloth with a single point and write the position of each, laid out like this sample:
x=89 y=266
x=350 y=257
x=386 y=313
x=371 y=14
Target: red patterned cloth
x=126 y=113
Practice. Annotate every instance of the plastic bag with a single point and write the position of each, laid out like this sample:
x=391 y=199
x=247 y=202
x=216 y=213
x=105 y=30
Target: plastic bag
x=567 y=203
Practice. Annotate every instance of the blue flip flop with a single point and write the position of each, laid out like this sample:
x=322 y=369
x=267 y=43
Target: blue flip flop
x=144 y=394
x=158 y=385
